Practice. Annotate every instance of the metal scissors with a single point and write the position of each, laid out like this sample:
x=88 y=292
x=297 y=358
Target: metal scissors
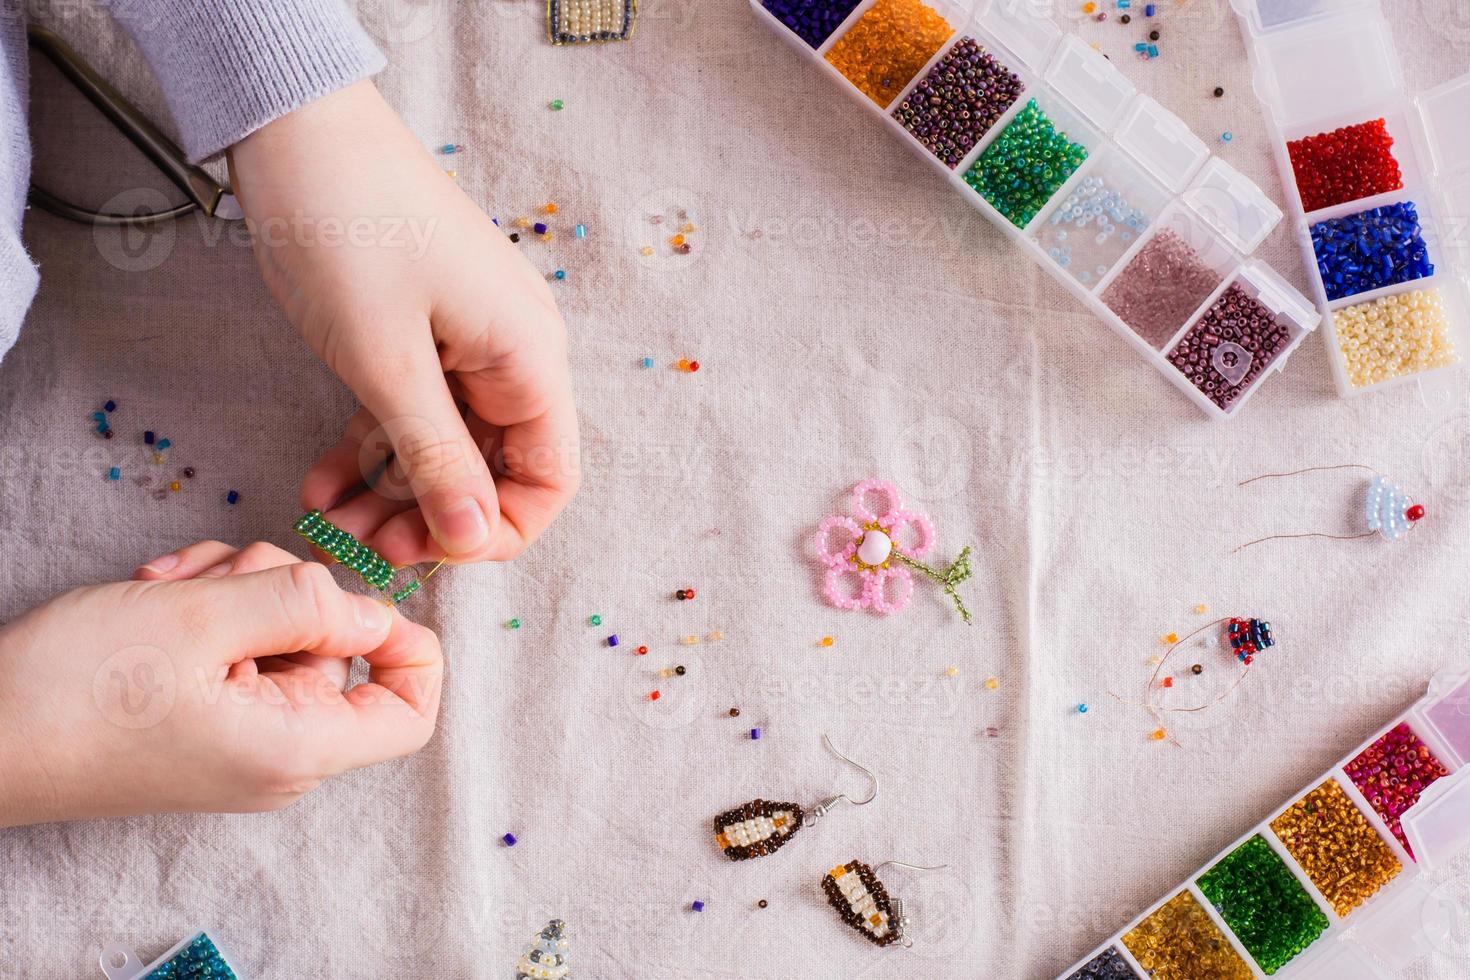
x=205 y=194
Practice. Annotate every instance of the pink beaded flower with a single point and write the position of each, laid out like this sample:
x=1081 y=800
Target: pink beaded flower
x=868 y=556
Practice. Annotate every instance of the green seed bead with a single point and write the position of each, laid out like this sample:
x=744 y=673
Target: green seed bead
x=596 y=620
x=514 y=624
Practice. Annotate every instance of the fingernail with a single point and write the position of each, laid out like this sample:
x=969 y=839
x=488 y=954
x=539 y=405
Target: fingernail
x=216 y=571
x=372 y=615
x=161 y=564
x=461 y=526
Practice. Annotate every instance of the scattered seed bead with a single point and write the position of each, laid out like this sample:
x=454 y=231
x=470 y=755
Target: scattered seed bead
x=887 y=46
x=174 y=486
x=1227 y=137
x=677 y=240
x=1393 y=336
x=1219 y=92
x=514 y=238
x=1167 y=682
x=1201 y=609
x=514 y=624
x=1371 y=249
x=762 y=903
x=580 y=231
x=1392 y=773
x=1107 y=965
x=509 y=839
x=654 y=696
x=646 y=250
x=1197 y=669
x=811 y=20
x=1332 y=841
x=612 y=641
x=1263 y=904
x=115 y=473
x=693 y=366
x=560 y=274
x=1344 y=165
x=557 y=105
x=1153 y=35
x=233 y=497
x=648 y=362
x=684 y=249
x=827 y=641
x=1157 y=735
x=991 y=683
x=189 y=472
x=1230 y=347
x=1082 y=709
x=1125 y=19
x=951 y=672
x=596 y=619
x=643 y=651
x=1161 y=287
x=666 y=673
x=1170 y=638
x=715 y=636
x=1179 y=941
x=957 y=103
x=1025 y=166
x=682 y=364
x=685 y=594
x=697 y=906
x=689 y=640
x=680 y=670
x=755 y=733
x=734 y=712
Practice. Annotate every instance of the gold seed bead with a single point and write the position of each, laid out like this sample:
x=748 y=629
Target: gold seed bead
x=1179 y=941
x=1336 y=846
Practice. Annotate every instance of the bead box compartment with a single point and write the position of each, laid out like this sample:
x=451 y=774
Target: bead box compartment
x=1099 y=108
x=1076 y=248
x=1324 y=64
x=1386 y=928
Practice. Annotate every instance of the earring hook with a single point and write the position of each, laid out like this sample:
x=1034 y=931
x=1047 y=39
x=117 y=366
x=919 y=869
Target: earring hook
x=915 y=867
x=904 y=939
x=822 y=809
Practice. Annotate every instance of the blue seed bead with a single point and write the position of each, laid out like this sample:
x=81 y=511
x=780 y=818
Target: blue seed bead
x=1227 y=136
x=114 y=473
x=561 y=273
x=163 y=444
x=1149 y=10
x=581 y=231
x=539 y=228
x=232 y=497
x=1082 y=709
x=148 y=437
x=111 y=405
x=450 y=148
x=648 y=362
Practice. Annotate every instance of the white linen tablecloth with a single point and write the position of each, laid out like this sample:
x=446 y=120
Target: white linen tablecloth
x=852 y=317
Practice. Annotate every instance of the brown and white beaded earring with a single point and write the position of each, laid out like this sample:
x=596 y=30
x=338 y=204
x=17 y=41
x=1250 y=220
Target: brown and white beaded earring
x=761 y=827
x=853 y=889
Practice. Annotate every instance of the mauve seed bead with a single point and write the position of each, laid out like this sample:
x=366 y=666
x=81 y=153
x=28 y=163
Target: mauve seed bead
x=1161 y=287
x=1392 y=773
x=811 y=20
x=955 y=105
x=1236 y=318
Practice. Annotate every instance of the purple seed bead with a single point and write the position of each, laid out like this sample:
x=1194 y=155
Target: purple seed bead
x=811 y=20
x=1210 y=354
x=1161 y=287
x=957 y=103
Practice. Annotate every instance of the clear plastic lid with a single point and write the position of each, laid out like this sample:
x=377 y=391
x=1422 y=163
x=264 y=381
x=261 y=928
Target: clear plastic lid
x=1162 y=143
x=1028 y=38
x=1446 y=114
x=1327 y=67
x=1269 y=15
x=1090 y=82
x=1233 y=205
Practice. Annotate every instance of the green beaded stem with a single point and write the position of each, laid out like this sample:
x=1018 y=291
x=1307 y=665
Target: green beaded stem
x=950 y=578
x=1025 y=166
x=351 y=553
x=1263 y=904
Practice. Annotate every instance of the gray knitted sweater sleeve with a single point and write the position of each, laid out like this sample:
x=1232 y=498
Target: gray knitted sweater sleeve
x=227 y=67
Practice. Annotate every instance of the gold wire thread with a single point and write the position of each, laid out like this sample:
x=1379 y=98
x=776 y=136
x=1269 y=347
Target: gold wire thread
x=1157 y=710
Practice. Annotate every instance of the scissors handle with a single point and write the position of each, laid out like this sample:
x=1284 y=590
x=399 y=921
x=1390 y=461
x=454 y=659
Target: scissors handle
x=204 y=192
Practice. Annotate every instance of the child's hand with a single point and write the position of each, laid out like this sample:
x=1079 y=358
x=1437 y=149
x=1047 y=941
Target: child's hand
x=416 y=299
x=215 y=683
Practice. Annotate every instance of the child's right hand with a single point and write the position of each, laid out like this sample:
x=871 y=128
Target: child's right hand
x=214 y=683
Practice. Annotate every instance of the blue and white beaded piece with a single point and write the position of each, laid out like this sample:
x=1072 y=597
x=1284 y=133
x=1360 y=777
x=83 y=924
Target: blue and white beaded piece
x=590 y=21
x=548 y=955
x=1387 y=508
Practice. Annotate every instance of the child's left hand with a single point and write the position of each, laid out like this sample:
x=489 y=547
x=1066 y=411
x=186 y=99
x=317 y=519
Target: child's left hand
x=412 y=295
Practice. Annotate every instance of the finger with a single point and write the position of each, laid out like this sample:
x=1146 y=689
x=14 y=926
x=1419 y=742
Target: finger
x=394 y=712
x=289 y=609
x=362 y=515
x=445 y=469
x=263 y=555
x=186 y=562
x=345 y=467
x=539 y=472
x=259 y=556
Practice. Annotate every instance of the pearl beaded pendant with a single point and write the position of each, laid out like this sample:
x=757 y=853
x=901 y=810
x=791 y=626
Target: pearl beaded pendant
x=1388 y=509
x=590 y=21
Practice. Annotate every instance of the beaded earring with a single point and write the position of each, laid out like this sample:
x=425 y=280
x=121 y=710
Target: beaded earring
x=590 y=21
x=346 y=550
x=853 y=889
x=548 y=955
x=1387 y=510
x=762 y=827
x=874 y=561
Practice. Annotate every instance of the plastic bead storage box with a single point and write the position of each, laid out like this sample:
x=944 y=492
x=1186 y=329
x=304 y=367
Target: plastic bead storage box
x=1329 y=887
x=1377 y=182
x=1107 y=190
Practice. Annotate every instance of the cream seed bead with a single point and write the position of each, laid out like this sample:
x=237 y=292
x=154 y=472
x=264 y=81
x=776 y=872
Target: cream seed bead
x=1394 y=336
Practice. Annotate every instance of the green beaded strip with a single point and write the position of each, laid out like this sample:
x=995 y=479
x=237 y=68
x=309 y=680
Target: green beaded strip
x=950 y=577
x=346 y=550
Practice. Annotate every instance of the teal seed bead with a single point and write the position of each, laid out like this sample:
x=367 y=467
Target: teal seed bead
x=595 y=620
x=1025 y=166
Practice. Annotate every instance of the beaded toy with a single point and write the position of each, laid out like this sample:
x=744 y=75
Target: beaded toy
x=1249 y=637
x=853 y=889
x=346 y=550
x=871 y=554
x=761 y=827
x=590 y=21
x=1387 y=509
x=546 y=958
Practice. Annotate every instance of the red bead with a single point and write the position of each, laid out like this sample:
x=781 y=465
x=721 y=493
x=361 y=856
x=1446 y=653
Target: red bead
x=643 y=651
x=1168 y=682
x=689 y=593
x=1415 y=513
x=654 y=696
x=694 y=365
x=1345 y=165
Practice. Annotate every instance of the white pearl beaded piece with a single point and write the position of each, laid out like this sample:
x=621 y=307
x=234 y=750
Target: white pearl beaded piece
x=875 y=548
x=588 y=21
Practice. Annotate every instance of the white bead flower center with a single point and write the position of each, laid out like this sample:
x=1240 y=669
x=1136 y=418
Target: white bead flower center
x=875 y=548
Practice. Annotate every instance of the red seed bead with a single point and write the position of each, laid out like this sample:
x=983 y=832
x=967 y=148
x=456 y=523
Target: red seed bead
x=654 y=696
x=1168 y=682
x=689 y=593
x=1346 y=164
x=1415 y=513
x=643 y=651
x=694 y=365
